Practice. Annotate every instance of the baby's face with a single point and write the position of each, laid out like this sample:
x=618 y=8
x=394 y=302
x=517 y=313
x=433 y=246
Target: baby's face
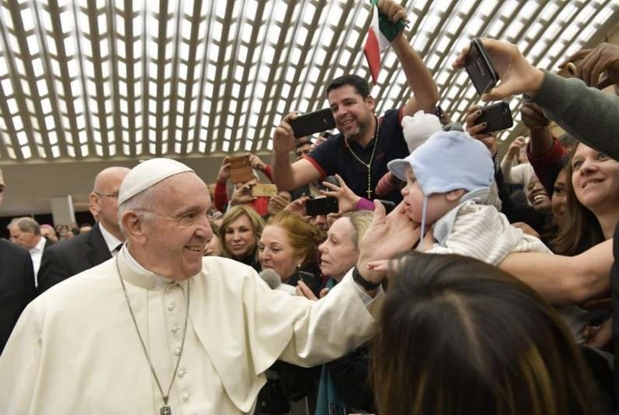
x=437 y=204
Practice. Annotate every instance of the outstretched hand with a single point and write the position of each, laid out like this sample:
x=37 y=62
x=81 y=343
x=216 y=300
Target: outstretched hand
x=517 y=75
x=387 y=236
x=347 y=200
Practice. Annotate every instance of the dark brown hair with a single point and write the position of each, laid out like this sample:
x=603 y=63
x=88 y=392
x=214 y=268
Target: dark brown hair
x=580 y=229
x=457 y=336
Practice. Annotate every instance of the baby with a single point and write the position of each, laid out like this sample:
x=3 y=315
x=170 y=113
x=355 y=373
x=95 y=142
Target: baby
x=447 y=187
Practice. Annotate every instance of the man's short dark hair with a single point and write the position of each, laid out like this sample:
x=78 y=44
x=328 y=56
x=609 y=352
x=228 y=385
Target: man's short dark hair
x=361 y=85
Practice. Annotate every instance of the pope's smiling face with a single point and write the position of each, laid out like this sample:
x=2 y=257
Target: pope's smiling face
x=177 y=229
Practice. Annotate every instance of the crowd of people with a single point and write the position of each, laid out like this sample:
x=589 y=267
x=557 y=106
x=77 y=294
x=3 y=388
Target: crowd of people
x=441 y=279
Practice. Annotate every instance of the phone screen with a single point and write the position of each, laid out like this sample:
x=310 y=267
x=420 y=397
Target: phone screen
x=479 y=67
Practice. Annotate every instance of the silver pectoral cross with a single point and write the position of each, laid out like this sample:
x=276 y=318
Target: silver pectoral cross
x=165 y=410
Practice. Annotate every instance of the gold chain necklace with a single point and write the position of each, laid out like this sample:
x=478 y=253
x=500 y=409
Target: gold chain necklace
x=165 y=409
x=368 y=165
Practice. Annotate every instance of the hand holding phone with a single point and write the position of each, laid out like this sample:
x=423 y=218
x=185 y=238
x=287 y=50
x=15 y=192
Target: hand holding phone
x=312 y=123
x=480 y=68
x=498 y=116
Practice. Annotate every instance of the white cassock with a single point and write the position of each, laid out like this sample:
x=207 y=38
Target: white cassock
x=75 y=349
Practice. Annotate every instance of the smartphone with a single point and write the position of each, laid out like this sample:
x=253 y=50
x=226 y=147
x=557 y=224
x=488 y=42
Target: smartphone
x=312 y=123
x=498 y=116
x=311 y=281
x=321 y=206
x=264 y=190
x=388 y=204
x=240 y=169
x=479 y=67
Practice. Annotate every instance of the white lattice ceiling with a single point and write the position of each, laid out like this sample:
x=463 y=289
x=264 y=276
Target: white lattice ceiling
x=105 y=80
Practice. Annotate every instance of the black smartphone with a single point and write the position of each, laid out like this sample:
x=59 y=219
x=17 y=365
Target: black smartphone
x=311 y=281
x=321 y=206
x=479 y=67
x=312 y=123
x=388 y=204
x=498 y=116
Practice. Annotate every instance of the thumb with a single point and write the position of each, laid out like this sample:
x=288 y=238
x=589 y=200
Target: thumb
x=324 y=292
x=379 y=211
x=497 y=93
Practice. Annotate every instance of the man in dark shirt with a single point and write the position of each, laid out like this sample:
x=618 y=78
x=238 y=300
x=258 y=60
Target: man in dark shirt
x=365 y=144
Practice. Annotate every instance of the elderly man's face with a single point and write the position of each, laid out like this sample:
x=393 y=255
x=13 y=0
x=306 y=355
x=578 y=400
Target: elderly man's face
x=26 y=240
x=177 y=234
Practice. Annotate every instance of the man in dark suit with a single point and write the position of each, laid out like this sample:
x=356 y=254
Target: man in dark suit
x=86 y=250
x=16 y=282
x=26 y=233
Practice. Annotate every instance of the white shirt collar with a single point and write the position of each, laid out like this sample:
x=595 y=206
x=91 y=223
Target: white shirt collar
x=39 y=246
x=110 y=240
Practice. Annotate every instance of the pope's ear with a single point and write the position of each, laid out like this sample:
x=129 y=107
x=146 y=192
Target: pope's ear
x=132 y=224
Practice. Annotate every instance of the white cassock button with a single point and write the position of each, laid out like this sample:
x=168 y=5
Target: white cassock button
x=174 y=329
x=185 y=397
x=181 y=373
x=177 y=351
x=171 y=307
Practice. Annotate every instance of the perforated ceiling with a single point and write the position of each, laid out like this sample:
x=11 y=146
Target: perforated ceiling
x=96 y=79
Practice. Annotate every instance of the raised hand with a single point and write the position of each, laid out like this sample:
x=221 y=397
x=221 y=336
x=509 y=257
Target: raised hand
x=256 y=162
x=489 y=139
x=603 y=60
x=283 y=140
x=347 y=200
x=517 y=75
x=533 y=116
x=224 y=170
x=387 y=236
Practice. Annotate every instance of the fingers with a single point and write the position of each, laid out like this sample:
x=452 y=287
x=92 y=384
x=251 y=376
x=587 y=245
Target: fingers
x=324 y=292
x=303 y=290
x=575 y=57
x=380 y=265
x=379 y=212
x=461 y=58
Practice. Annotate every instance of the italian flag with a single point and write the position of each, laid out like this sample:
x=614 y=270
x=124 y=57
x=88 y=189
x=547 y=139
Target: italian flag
x=375 y=43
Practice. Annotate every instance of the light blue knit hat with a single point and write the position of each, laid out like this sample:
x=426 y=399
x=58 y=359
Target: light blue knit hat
x=448 y=160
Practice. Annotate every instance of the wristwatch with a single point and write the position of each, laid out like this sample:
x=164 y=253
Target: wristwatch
x=362 y=281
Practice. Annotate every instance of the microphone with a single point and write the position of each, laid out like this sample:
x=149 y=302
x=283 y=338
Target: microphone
x=273 y=280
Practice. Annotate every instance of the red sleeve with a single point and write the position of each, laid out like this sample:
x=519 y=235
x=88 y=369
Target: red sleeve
x=547 y=167
x=260 y=205
x=221 y=196
x=268 y=172
x=323 y=175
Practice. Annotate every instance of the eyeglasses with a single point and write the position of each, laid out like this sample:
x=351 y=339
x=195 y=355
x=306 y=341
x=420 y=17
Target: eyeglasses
x=113 y=195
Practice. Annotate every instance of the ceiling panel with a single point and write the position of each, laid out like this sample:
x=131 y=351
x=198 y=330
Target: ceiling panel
x=100 y=80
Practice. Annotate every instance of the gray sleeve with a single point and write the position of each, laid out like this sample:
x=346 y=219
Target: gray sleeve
x=587 y=113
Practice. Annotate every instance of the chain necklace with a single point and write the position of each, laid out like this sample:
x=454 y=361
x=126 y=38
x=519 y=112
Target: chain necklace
x=165 y=409
x=369 y=164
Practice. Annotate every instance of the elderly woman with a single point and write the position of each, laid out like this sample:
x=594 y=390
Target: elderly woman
x=343 y=385
x=239 y=233
x=288 y=246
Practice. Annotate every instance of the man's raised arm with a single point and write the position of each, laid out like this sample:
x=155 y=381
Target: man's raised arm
x=425 y=92
x=289 y=176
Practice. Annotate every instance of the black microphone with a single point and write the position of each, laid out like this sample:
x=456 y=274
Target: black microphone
x=273 y=280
